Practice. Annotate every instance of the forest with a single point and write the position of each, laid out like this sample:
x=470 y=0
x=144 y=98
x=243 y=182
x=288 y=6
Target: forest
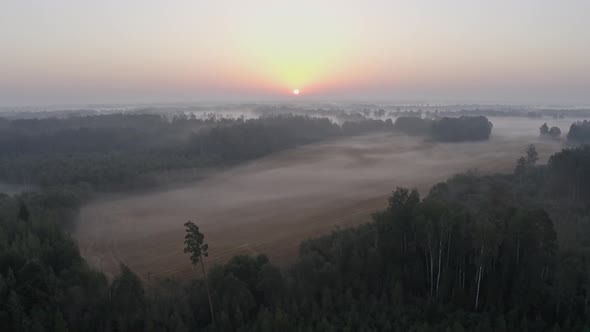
x=504 y=252
x=124 y=151
x=114 y=152
x=447 y=129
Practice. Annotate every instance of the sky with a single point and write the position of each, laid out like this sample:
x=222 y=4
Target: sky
x=89 y=52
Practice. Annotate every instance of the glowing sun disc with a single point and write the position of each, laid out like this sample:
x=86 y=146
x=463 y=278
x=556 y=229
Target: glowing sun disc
x=296 y=92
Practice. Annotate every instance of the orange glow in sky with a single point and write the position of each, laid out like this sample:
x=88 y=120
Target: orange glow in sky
x=107 y=51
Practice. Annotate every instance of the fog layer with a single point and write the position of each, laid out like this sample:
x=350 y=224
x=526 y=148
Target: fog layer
x=270 y=205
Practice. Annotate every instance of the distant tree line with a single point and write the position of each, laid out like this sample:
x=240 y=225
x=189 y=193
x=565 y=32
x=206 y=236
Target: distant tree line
x=461 y=129
x=118 y=151
x=504 y=252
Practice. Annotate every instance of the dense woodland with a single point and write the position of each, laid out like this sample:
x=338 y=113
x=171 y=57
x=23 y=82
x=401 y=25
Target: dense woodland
x=478 y=253
x=446 y=129
x=122 y=151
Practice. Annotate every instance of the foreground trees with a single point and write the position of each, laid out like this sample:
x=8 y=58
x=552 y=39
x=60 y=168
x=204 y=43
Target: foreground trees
x=477 y=253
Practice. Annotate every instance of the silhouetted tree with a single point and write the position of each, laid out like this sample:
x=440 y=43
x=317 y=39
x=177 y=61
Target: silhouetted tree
x=195 y=245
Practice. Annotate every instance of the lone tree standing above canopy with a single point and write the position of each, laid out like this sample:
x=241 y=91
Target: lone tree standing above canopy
x=194 y=244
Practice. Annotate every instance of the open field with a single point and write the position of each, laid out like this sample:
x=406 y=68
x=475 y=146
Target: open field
x=270 y=205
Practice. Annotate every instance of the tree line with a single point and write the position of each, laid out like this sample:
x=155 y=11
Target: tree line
x=119 y=151
x=447 y=129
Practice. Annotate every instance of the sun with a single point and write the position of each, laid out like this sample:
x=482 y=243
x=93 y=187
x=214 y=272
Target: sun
x=296 y=92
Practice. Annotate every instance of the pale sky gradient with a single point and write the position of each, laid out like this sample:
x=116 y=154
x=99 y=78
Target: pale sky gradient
x=67 y=52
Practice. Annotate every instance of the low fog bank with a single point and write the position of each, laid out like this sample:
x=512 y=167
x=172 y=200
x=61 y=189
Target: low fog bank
x=270 y=205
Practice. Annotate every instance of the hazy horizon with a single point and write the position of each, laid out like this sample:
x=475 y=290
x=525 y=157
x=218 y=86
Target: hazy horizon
x=107 y=52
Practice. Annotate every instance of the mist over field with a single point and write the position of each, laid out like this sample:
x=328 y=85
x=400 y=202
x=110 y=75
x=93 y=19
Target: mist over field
x=270 y=205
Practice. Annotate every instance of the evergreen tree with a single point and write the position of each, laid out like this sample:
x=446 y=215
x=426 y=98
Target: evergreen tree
x=195 y=245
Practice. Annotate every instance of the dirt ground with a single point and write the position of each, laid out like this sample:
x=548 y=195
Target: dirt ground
x=270 y=205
